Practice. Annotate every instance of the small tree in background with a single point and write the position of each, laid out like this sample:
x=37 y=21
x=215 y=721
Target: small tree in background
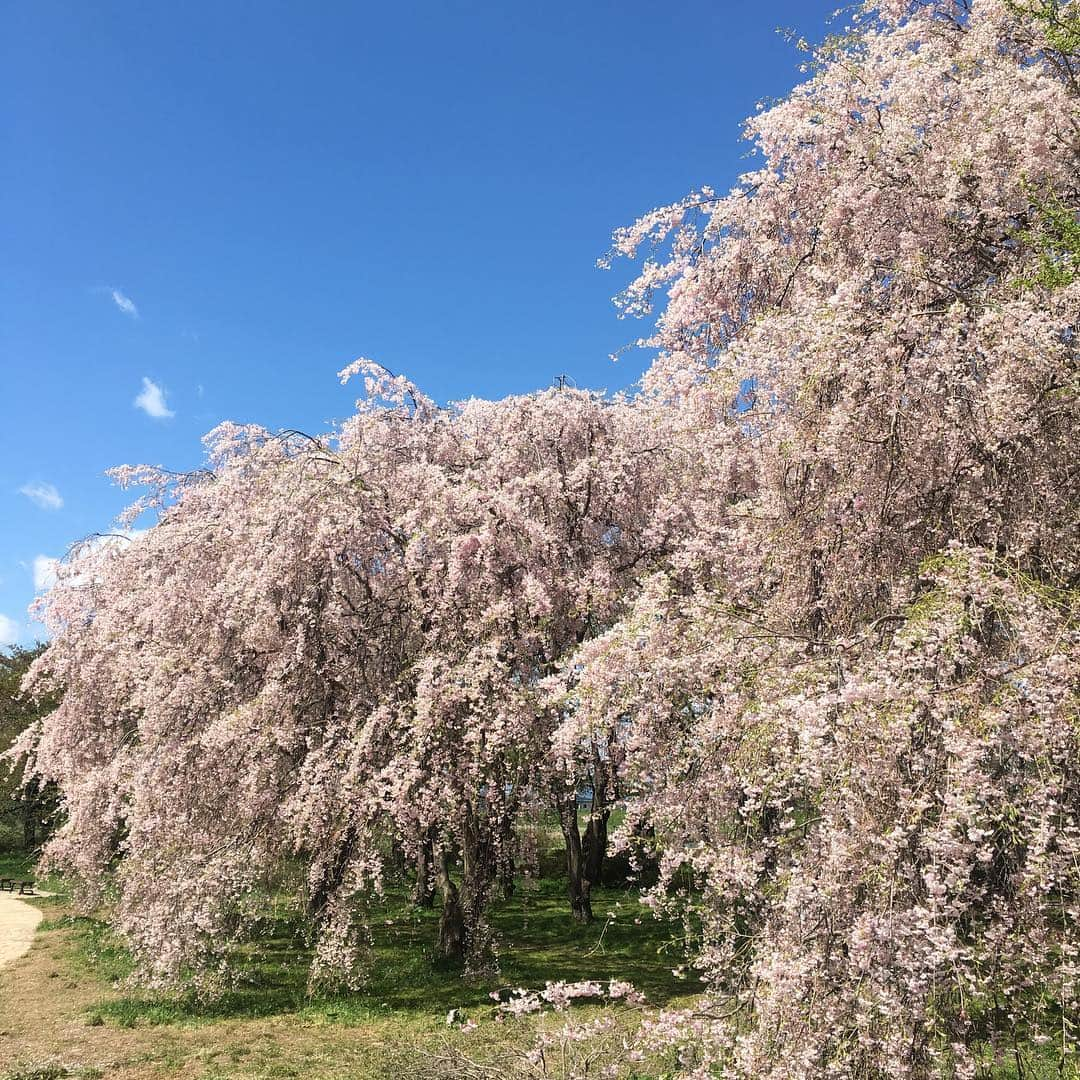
x=25 y=808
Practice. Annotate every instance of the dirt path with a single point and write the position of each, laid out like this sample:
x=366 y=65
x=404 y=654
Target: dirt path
x=18 y=921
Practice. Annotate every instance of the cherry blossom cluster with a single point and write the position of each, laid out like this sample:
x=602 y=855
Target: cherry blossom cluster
x=333 y=650
x=850 y=696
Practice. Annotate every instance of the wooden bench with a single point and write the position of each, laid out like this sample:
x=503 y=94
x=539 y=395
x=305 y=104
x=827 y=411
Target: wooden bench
x=26 y=888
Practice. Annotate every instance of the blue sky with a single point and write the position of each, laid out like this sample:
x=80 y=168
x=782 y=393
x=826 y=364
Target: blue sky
x=213 y=207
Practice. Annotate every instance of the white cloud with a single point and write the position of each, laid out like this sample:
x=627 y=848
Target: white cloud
x=9 y=631
x=44 y=495
x=152 y=401
x=124 y=303
x=44 y=572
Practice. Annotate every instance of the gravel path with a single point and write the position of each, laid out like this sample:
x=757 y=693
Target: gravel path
x=18 y=921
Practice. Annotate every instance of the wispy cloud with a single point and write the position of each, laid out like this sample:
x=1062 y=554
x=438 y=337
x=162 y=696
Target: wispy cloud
x=124 y=303
x=44 y=495
x=44 y=572
x=9 y=631
x=152 y=401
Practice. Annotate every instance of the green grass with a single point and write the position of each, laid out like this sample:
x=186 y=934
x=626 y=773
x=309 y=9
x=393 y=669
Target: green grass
x=16 y=864
x=1038 y=1064
x=536 y=941
x=402 y=1008
x=21 y=867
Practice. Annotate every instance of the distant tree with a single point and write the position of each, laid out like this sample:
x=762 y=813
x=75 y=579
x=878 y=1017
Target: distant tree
x=24 y=809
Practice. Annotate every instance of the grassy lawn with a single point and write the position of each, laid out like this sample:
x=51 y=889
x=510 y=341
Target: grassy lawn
x=537 y=941
x=64 y=1009
x=16 y=866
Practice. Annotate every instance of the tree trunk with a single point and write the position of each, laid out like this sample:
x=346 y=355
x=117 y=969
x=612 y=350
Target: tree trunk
x=451 y=941
x=578 y=886
x=596 y=837
x=424 y=890
x=397 y=861
x=506 y=855
x=332 y=878
x=506 y=878
x=30 y=811
x=595 y=845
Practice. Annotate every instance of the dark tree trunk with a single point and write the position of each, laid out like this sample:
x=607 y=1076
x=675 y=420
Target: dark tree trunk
x=451 y=941
x=578 y=886
x=463 y=934
x=596 y=833
x=506 y=878
x=30 y=811
x=599 y=811
x=332 y=878
x=398 y=862
x=506 y=855
x=424 y=890
x=479 y=872
x=595 y=846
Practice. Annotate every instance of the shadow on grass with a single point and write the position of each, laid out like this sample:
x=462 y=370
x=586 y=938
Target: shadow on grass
x=535 y=938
